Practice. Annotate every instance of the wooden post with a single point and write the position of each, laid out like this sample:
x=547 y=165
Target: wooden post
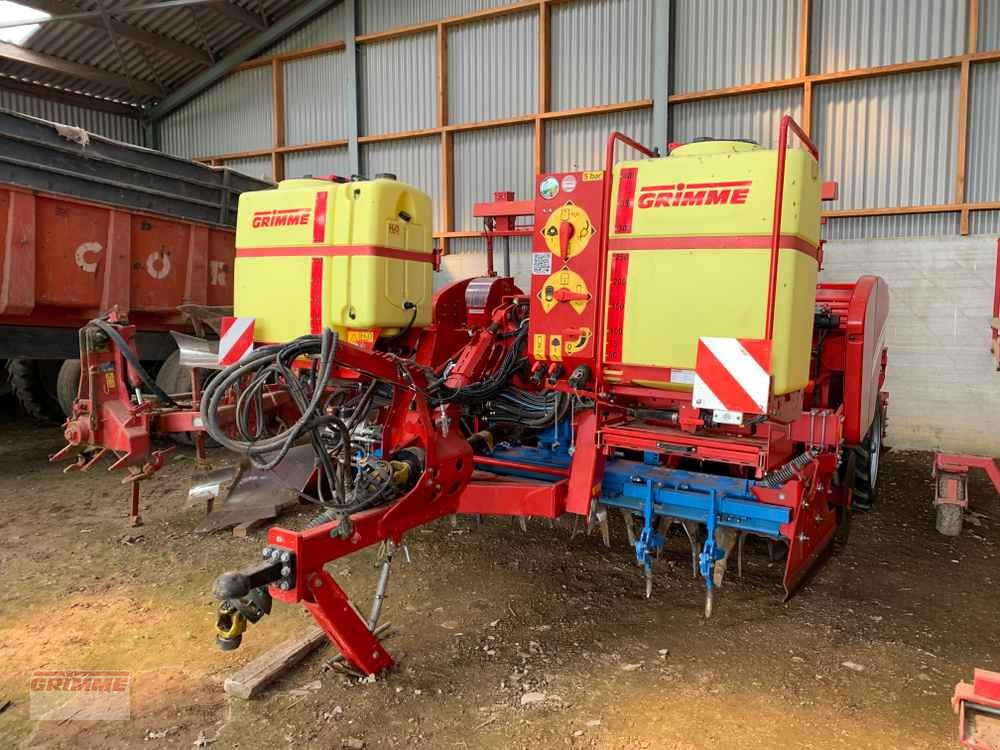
x=960 y=162
x=807 y=107
x=805 y=18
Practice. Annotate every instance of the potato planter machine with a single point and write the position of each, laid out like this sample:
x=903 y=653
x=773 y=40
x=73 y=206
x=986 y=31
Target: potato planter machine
x=674 y=360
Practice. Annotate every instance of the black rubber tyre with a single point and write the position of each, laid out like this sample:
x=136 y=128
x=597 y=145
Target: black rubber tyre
x=8 y=402
x=846 y=477
x=867 y=464
x=35 y=384
x=174 y=378
x=949 y=519
x=67 y=385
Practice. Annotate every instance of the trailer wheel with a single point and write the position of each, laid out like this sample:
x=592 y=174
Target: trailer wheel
x=68 y=385
x=868 y=460
x=949 y=519
x=35 y=384
x=174 y=378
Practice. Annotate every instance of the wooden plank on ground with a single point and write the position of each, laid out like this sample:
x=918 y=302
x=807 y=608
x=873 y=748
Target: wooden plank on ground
x=258 y=674
x=255 y=676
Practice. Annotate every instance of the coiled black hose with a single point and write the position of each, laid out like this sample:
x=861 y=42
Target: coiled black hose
x=129 y=355
x=272 y=364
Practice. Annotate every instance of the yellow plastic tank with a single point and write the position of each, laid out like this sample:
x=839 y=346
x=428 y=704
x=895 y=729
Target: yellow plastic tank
x=354 y=256
x=698 y=245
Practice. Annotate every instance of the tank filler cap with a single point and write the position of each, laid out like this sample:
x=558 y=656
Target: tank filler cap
x=385 y=176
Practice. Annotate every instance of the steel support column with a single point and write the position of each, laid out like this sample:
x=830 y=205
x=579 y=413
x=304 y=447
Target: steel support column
x=353 y=101
x=660 y=63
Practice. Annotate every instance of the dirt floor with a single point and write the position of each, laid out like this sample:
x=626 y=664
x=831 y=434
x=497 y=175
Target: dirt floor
x=866 y=656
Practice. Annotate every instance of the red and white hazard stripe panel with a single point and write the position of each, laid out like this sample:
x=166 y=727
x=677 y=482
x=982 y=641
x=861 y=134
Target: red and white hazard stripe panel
x=732 y=375
x=236 y=342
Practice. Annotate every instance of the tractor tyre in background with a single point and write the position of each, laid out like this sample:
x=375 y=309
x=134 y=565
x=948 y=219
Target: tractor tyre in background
x=868 y=459
x=68 y=385
x=8 y=403
x=174 y=378
x=35 y=385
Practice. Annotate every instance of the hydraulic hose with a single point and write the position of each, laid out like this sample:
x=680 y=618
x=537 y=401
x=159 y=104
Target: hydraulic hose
x=126 y=351
x=271 y=363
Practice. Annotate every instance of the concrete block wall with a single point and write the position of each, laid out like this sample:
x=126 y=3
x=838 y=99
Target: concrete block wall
x=467 y=257
x=944 y=391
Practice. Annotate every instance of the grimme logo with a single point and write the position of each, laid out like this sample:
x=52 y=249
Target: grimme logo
x=694 y=194
x=284 y=217
x=64 y=694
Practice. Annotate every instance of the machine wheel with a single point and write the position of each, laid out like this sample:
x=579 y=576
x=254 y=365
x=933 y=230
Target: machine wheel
x=949 y=519
x=174 y=378
x=868 y=459
x=35 y=384
x=846 y=477
x=68 y=385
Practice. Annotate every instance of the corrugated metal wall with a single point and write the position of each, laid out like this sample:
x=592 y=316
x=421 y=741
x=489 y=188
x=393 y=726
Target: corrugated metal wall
x=493 y=68
x=903 y=225
x=985 y=222
x=416 y=161
x=889 y=141
x=849 y=34
x=331 y=26
x=983 y=170
x=589 y=41
x=755 y=116
x=989 y=25
x=314 y=163
x=232 y=116
x=725 y=43
x=257 y=166
x=307 y=82
x=379 y=15
x=126 y=129
x=579 y=142
x=487 y=161
x=398 y=84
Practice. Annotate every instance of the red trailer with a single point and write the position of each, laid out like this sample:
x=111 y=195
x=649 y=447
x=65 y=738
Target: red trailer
x=89 y=225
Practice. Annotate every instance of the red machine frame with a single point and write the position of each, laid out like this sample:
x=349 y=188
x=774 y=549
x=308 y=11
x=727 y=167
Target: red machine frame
x=978 y=709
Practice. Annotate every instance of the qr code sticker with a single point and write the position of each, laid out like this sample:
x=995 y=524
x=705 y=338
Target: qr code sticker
x=541 y=264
